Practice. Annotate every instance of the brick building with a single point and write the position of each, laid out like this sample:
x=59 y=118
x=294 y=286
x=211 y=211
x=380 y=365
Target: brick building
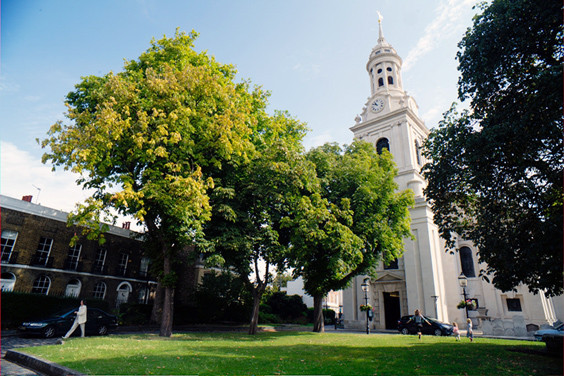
x=37 y=257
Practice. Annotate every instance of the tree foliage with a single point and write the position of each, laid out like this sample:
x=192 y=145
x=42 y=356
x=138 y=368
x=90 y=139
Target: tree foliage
x=150 y=140
x=351 y=222
x=250 y=201
x=495 y=175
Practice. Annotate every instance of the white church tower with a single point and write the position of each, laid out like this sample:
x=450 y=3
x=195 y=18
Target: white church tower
x=426 y=277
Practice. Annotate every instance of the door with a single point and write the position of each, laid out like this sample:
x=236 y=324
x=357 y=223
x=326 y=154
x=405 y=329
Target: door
x=392 y=309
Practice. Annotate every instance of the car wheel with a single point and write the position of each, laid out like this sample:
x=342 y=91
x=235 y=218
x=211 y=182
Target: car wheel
x=103 y=330
x=49 y=332
x=438 y=332
x=404 y=331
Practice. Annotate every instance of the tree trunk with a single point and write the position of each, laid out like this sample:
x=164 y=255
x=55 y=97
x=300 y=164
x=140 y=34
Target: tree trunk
x=255 y=315
x=318 y=321
x=168 y=304
x=157 y=311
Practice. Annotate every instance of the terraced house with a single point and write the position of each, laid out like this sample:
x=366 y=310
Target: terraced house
x=37 y=257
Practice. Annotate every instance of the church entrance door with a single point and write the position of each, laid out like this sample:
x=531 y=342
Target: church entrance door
x=392 y=309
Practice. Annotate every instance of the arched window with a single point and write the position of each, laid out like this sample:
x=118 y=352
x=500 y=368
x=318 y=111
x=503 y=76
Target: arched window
x=382 y=144
x=8 y=281
x=41 y=285
x=73 y=288
x=380 y=81
x=467 y=262
x=99 y=290
x=379 y=71
x=390 y=80
x=389 y=69
x=123 y=291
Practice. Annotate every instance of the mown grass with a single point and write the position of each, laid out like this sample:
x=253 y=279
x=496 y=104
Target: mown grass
x=299 y=353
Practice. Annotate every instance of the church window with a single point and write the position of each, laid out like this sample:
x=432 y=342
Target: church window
x=389 y=69
x=390 y=80
x=514 y=304
x=467 y=262
x=382 y=144
x=379 y=71
x=391 y=265
x=418 y=152
x=380 y=81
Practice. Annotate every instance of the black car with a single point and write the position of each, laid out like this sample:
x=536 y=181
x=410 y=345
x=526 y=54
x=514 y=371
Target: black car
x=436 y=328
x=98 y=322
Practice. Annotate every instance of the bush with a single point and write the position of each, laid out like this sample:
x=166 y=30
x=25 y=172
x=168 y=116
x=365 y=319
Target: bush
x=134 y=314
x=289 y=308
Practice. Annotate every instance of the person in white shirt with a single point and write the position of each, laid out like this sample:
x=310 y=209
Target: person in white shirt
x=79 y=320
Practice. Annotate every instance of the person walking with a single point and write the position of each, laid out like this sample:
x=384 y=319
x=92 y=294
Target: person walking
x=418 y=319
x=469 y=332
x=455 y=331
x=80 y=319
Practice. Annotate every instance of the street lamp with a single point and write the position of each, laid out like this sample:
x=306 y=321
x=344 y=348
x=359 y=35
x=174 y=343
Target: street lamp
x=366 y=287
x=463 y=282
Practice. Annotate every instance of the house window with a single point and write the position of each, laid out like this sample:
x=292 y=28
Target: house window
x=382 y=144
x=8 y=241
x=8 y=281
x=41 y=285
x=467 y=262
x=122 y=265
x=513 y=304
x=99 y=290
x=100 y=261
x=144 y=268
x=73 y=257
x=43 y=251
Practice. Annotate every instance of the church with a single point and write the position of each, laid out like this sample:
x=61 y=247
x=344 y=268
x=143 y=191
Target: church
x=427 y=277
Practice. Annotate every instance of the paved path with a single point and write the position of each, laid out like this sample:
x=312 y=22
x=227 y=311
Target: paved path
x=13 y=342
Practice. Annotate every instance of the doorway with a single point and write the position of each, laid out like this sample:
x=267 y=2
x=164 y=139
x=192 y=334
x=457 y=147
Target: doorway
x=392 y=311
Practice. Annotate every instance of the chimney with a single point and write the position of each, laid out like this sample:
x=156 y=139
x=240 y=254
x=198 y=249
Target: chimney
x=27 y=198
x=125 y=225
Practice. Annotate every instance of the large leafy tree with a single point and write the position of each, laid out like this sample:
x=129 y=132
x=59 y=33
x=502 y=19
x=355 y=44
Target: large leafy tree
x=354 y=220
x=250 y=201
x=150 y=139
x=495 y=175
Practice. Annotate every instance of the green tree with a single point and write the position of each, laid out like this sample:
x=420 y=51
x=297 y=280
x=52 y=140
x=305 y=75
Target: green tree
x=149 y=140
x=495 y=172
x=353 y=221
x=250 y=201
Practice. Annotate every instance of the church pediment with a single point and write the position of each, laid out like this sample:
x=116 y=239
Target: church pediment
x=384 y=278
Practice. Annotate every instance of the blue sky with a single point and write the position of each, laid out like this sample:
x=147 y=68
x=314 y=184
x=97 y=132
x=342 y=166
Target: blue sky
x=311 y=55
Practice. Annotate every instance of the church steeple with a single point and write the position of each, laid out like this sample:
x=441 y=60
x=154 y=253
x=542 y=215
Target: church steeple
x=384 y=65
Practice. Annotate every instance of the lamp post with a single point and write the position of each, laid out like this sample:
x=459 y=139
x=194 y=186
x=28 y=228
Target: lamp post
x=463 y=282
x=366 y=287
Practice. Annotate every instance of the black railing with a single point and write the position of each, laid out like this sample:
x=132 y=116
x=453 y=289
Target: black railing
x=39 y=260
x=10 y=258
x=98 y=269
x=71 y=264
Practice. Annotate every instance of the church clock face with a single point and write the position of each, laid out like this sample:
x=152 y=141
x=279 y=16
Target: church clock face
x=377 y=105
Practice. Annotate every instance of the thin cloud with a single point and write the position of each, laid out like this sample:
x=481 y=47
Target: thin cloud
x=449 y=16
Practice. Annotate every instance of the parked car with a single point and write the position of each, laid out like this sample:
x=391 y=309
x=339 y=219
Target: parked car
x=436 y=328
x=98 y=322
x=558 y=329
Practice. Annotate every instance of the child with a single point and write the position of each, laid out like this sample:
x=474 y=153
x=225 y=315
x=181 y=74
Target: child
x=455 y=331
x=469 y=332
x=418 y=319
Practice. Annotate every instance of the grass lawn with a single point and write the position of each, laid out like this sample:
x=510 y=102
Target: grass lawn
x=299 y=353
